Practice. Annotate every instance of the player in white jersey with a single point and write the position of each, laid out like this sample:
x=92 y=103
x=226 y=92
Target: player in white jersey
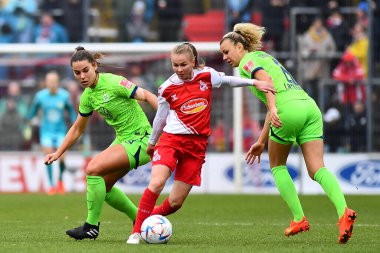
x=182 y=123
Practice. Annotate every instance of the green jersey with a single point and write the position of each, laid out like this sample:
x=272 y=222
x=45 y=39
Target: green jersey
x=286 y=86
x=112 y=97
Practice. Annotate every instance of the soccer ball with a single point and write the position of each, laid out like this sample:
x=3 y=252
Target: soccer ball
x=156 y=229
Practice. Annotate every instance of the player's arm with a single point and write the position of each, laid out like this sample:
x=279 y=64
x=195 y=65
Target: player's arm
x=159 y=123
x=75 y=131
x=235 y=81
x=271 y=99
x=146 y=96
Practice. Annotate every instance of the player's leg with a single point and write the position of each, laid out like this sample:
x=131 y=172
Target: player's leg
x=107 y=162
x=62 y=165
x=278 y=154
x=115 y=197
x=313 y=154
x=47 y=149
x=160 y=173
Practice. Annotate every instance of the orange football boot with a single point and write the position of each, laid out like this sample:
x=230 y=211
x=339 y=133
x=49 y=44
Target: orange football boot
x=346 y=224
x=297 y=227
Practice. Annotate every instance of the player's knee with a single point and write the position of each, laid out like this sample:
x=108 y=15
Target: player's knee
x=93 y=169
x=176 y=203
x=156 y=185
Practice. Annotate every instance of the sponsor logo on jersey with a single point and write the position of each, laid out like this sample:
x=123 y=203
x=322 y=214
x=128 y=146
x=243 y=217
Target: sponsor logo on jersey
x=194 y=106
x=362 y=173
x=126 y=83
x=202 y=86
x=249 y=66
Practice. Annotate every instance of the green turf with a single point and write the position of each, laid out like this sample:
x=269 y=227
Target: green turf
x=206 y=223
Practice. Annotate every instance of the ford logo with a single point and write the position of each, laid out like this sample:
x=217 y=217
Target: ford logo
x=362 y=173
x=258 y=174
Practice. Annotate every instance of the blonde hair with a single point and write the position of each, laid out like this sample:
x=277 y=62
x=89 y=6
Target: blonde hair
x=188 y=48
x=248 y=34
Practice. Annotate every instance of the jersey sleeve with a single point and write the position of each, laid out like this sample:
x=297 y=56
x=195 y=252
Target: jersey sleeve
x=248 y=67
x=216 y=78
x=85 y=106
x=159 y=121
x=127 y=88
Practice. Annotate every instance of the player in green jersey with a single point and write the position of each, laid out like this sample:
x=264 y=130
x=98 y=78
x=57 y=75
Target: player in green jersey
x=116 y=99
x=292 y=116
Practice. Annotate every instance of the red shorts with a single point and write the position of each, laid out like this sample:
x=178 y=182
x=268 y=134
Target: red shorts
x=183 y=154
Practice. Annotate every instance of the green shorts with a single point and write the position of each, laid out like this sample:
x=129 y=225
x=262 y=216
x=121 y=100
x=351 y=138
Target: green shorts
x=301 y=122
x=136 y=150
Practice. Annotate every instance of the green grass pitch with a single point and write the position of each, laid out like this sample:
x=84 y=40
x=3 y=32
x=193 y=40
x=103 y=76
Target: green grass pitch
x=206 y=223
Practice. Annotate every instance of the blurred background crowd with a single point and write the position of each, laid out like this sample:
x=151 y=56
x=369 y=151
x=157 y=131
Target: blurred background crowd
x=324 y=44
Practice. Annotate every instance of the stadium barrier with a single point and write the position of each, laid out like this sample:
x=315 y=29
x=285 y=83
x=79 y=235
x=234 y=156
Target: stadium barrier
x=25 y=172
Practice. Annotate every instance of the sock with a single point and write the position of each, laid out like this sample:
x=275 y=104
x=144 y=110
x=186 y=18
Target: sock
x=50 y=174
x=118 y=200
x=146 y=205
x=62 y=167
x=331 y=187
x=165 y=208
x=285 y=186
x=96 y=193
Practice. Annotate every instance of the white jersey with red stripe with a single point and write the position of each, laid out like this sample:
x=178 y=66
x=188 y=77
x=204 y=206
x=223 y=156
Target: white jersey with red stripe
x=189 y=102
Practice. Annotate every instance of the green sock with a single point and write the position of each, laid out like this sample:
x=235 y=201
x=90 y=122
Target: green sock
x=50 y=174
x=285 y=186
x=331 y=186
x=96 y=193
x=62 y=168
x=120 y=201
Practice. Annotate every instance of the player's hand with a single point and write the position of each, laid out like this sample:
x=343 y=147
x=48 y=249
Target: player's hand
x=150 y=150
x=265 y=86
x=274 y=119
x=50 y=158
x=254 y=152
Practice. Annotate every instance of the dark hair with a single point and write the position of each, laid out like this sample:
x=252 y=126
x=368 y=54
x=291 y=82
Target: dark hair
x=82 y=54
x=189 y=48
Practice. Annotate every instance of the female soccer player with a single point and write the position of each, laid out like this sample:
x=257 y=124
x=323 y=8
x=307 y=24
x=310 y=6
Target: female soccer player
x=292 y=116
x=182 y=123
x=115 y=98
x=53 y=102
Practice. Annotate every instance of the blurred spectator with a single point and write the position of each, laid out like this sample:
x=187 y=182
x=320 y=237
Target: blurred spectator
x=54 y=7
x=169 y=19
x=357 y=127
x=120 y=10
x=334 y=127
x=75 y=92
x=137 y=27
x=251 y=132
x=317 y=48
x=14 y=94
x=6 y=36
x=359 y=45
x=239 y=11
x=218 y=137
x=74 y=20
x=362 y=14
x=13 y=110
x=351 y=75
x=49 y=31
x=339 y=29
x=273 y=21
x=22 y=22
